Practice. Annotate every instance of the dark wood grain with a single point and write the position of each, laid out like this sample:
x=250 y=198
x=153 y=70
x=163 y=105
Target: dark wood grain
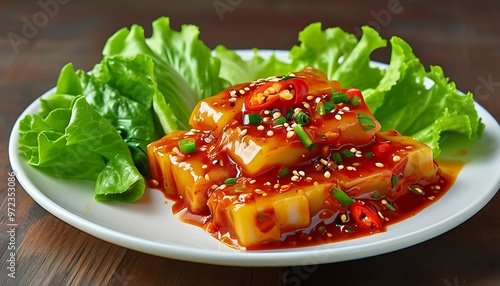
x=461 y=36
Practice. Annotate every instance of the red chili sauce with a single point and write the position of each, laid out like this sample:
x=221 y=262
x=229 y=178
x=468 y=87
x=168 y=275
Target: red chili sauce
x=355 y=180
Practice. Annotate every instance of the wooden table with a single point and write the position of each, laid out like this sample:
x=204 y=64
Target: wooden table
x=461 y=36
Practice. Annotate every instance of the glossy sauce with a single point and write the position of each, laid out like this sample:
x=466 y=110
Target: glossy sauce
x=330 y=221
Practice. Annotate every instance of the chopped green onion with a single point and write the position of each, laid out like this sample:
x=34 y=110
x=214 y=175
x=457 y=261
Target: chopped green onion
x=394 y=181
x=289 y=114
x=280 y=121
x=287 y=77
x=187 y=145
x=337 y=158
x=347 y=153
x=416 y=189
x=356 y=100
x=304 y=138
x=389 y=206
x=339 y=97
x=302 y=118
x=342 y=197
x=368 y=155
x=329 y=107
x=283 y=172
x=252 y=118
x=366 y=121
x=230 y=181
x=322 y=229
x=324 y=108
x=275 y=110
x=348 y=229
x=320 y=108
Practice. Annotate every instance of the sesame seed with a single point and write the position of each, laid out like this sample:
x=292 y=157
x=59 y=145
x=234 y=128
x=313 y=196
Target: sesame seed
x=438 y=187
x=241 y=91
x=346 y=108
x=340 y=167
x=204 y=166
x=380 y=165
x=353 y=150
x=351 y=168
x=189 y=133
x=309 y=179
x=310 y=97
x=409 y=147
x=340 y=112
x=396 y=158
x=233 y=99
x=295 y=172
x=302 y=173
x=222 y=187
x=253 y=181
x=232 y=93
x=247 y=88
x=295 y=178
x=243 y=132
x=175 y=150
x=276 y=115
x=338 y=117
x=305 y=104
x=267 y=112
x=329 y=234
x=327 y=174
x=267 y=183
x=270 y=133
x=380 y=215
x=343 y=218
x=323 y=161
x=207 y=177
x=264 y=194
x=259 y=191
x=289 y=134
x=315 y=183
x=260 y=127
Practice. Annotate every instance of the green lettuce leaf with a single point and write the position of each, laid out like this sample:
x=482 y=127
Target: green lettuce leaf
x=235 y=69
x=424 y=104
x=185 y=69
x=339 y=54
x=123 y=91
x=76 y=142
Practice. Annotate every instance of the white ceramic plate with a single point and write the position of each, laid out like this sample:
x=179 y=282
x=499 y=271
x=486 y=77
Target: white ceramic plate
x=149 y=226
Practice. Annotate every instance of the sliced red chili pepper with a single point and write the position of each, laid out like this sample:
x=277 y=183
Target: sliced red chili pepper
x=382 y=150
x=289 y=92
x=364 y=216
x=301 y=89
